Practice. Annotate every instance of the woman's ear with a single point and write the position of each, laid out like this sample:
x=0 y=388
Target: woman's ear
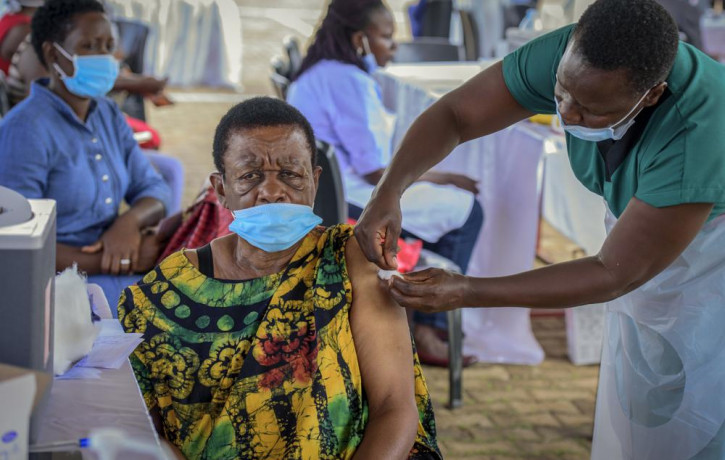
x=217 y=181
x=49 y=55
x=357 y=42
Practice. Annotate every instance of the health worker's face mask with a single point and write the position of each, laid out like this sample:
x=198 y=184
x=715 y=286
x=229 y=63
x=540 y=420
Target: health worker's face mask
x=93 y=76
x=274 y=227
x=613 y=132
x=371 y=64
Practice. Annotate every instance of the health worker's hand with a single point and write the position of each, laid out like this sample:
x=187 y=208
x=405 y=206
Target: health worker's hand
x=378 y=230
x=430 y=290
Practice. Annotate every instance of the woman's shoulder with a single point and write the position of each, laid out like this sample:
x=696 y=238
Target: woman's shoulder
x=337 y=235
x=332 y=70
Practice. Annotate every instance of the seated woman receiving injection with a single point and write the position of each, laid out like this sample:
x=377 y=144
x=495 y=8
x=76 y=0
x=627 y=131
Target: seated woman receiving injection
x=276 y=341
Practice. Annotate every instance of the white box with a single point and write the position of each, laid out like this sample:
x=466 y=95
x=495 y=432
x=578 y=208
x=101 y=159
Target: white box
x=17 y=401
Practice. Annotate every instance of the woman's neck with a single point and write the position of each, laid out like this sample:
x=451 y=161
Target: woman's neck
x=79 y=105
x=248 y=262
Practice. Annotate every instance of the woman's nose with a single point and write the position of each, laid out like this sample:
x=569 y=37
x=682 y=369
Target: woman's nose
x=271 y=191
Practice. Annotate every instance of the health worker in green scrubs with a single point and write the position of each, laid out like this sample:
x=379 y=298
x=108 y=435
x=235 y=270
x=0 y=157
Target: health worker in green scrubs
x=644 y=116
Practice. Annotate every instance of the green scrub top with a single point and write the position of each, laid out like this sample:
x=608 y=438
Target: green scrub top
x=680 y=156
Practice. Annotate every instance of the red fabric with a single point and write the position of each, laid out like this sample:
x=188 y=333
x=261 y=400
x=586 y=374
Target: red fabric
x=408 y=252
x=7 y=22
x=202 y=222
x=139 y=126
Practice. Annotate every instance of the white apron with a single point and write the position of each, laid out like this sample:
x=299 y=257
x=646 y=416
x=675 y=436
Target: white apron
x=662 y=380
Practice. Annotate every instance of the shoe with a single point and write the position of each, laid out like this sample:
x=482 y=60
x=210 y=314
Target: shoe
x=432 y=360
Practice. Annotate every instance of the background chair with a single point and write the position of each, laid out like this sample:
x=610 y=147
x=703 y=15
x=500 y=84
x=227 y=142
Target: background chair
x=132 y=37
x=279 y=76
x=437 y=19
x=330 y=200
x=428 y=49
x=429 y=259
x=172 y=171
x=470 y=35
x=292 y=48
x=4 y=100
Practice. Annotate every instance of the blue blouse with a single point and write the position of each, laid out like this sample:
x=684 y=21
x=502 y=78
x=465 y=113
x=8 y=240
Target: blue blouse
x=88 y=168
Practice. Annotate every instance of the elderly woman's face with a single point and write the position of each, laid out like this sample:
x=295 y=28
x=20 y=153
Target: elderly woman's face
x=91 y=34
x=271 y=164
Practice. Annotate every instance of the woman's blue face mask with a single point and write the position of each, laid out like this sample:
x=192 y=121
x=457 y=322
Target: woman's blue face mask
x=274 y=227
x=93 y=76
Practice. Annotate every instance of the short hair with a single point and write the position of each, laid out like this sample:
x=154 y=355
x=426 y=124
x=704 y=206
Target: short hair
x=259 y=112
x=333 y=37
x=53 y=21
x=638 y=36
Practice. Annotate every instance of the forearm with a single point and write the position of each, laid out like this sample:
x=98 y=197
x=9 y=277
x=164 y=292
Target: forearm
x=65 y=256
x=579 y=282
x=389 y=434
x=132 y=83
x=146 y=212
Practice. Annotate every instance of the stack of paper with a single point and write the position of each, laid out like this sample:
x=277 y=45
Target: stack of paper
x=110 y=351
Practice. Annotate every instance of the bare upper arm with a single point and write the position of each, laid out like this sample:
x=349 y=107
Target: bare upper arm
x=484 y=104
x=646 y=240
x=13 y=39
x=381 y=335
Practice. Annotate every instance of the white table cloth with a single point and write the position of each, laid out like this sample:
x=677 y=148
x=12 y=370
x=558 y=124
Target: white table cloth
x=506 y=165
x=193 y=42
x=75 y=407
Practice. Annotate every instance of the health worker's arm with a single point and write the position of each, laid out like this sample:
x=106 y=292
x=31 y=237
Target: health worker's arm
x=644 y=241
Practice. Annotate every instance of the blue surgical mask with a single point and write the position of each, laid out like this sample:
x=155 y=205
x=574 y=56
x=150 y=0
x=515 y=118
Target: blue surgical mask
x=600 y=134
x=369 y=61
x=93 y=76
x=274 y=227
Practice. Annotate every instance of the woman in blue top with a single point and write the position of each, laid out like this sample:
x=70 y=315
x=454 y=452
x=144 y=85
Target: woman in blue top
x=69 y=143
x=337 y=94
x=643 y=115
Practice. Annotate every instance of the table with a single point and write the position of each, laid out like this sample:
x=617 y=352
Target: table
x=506 y=164
x=193 y=42
x=75 y=407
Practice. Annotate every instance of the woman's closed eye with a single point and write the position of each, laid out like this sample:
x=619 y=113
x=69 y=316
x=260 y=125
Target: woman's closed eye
x=251 y=176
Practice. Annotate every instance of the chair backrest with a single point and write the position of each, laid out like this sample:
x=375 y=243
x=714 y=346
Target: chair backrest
x=4 y=99
x=428 y=49
x=279 y=76
x=437 y=19
x=292 y=48
x=470 y=35
x=330 y=200
x=132 y=41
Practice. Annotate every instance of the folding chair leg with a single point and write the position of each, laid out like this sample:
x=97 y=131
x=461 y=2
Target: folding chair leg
x=455 y=359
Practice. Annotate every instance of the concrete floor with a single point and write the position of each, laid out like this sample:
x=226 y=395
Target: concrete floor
x=509 y=412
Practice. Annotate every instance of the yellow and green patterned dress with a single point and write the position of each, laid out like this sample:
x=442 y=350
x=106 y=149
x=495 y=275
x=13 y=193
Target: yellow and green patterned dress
x=264 y=368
